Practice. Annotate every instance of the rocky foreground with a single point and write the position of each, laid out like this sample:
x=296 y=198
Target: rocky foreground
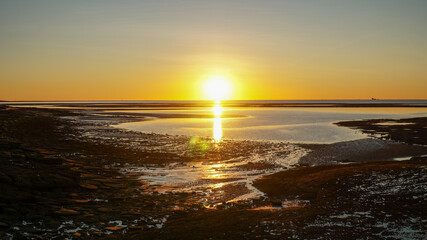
x=62 y=178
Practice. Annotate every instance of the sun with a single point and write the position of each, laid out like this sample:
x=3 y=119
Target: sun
x=217 y=88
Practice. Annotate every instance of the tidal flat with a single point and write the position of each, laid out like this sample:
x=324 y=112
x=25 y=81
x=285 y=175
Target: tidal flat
x=67 y=173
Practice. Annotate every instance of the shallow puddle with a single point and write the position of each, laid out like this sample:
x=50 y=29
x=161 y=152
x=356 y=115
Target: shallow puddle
x=216 y=182
x=394 y=123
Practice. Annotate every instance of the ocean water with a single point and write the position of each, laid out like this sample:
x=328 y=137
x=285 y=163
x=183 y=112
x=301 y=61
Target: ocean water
x=297 y=125
x=290 y=124
x=360 y=101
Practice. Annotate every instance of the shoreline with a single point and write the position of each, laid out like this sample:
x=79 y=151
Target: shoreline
x=191 y=104
x=54 y=167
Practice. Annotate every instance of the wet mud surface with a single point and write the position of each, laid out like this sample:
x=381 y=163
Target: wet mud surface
x=68 y=174
x=411 y=130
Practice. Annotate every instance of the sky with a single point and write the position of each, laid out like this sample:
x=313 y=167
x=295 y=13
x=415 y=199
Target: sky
x=165 y=50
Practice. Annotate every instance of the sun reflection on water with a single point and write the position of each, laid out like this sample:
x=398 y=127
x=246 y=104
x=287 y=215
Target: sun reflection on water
x=217 y=122
x=214 y=172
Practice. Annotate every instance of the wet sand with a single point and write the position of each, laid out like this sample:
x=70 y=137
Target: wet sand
x=66 y=173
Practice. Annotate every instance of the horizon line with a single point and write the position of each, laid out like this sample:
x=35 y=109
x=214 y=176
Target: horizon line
x=229 y=100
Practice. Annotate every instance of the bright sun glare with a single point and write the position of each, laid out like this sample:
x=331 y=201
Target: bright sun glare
x=217 y=88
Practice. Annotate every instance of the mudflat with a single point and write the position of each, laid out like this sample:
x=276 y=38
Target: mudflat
x=68 y=174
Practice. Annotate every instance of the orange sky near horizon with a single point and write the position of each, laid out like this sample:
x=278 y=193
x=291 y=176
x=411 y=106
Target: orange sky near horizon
x=165 y=50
